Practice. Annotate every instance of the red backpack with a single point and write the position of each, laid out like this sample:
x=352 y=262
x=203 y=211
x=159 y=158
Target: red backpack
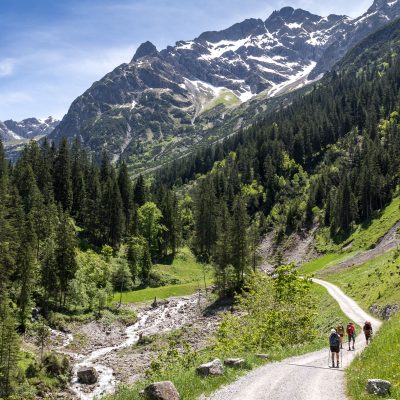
x=350 y=330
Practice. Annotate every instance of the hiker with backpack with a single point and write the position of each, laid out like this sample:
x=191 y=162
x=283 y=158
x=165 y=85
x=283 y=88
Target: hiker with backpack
x=351 y=334
x=334 y=344
x=340 y=331
x=367 y=331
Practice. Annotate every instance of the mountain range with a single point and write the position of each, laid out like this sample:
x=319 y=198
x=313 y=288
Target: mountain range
x=26 y=129
x=162 y=103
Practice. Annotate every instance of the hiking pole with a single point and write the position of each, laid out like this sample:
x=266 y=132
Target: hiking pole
x=329 y=358
x=341 y=357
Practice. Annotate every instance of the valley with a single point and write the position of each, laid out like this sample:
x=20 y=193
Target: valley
x=204 y=215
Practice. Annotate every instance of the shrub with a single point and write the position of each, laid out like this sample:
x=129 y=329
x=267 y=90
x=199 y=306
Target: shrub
x=56 y=365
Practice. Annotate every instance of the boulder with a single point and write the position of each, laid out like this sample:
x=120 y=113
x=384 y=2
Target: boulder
x=234 y=362
x=161 y=391
x=87 y=375
x=212 y=368
x=265 y=356
x=378 y=387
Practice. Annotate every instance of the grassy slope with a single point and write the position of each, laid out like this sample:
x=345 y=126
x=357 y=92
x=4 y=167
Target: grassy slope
x=191 y=386
x=364 y=237
x=226 y=98
x=380 y=360
x=184 y=270
x=375 y=282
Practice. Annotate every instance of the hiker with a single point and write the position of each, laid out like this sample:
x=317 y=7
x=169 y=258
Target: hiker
x=340 y=331
x=367 y=329
x=334 y=343
x=351 y=334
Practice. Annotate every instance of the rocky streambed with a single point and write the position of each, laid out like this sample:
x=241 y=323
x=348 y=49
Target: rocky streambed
x=118 y=360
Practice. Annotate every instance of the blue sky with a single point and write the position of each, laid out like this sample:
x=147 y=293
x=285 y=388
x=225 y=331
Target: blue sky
x=51 y=51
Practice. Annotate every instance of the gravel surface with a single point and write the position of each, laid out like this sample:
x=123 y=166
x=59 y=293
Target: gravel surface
x=306 y=377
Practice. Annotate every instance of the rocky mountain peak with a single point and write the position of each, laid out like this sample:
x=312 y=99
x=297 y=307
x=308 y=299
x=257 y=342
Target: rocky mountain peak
x=146 y=49
x=383 y=5
x=30 y=127
x=241 y=30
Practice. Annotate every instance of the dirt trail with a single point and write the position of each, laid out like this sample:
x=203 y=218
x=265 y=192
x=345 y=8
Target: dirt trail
x=388 y=242
x=307 y=377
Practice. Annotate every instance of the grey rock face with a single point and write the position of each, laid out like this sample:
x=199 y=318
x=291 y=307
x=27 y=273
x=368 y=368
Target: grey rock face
x=6 y=134
x=87 y=375
x=212 y=368
x=161 y=391
x=378 y=387
x=160 y=95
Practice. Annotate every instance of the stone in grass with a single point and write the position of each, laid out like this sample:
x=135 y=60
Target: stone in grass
x=234 y=362
x=378 y=387
x=161 y=391
x=264 y=356
x=87 y=375
x=212 y=368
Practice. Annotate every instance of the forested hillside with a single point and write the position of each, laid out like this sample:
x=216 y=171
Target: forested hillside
x=330 y=157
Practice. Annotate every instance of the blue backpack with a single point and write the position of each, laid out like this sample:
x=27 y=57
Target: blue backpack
x=334 y=340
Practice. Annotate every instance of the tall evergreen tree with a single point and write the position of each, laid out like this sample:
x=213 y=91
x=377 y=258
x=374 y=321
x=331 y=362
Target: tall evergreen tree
x=9 y=347
x=140 y=192
x=26 y=270
x=239 y=239
x=65 y=254
x=62 y=177
x=125 y=189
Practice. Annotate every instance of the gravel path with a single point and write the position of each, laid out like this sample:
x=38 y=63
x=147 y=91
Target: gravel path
x=306 y=377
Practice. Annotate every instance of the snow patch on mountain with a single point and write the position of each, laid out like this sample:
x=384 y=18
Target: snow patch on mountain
x=297 y=81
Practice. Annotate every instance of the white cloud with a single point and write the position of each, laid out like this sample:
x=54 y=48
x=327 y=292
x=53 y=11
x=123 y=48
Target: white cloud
x=7 y=66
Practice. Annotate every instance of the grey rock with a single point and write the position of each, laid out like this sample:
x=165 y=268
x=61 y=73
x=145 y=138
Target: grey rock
x=378 y=387
x=161 y=391
x=87 y=375
x=384 y=312
x=212 y=368
x=234 y=362
x=265 y=356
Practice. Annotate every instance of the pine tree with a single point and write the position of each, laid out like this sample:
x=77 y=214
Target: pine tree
x=26 y=270
x=93 y=212
x=105 y=167
x=65 y=254
x=239 y=239
x=62 y=177
x=345 y=205
x=223 y=251
x=9 y=347
x=140 y=192
x=125 y=189
x=78 y=209
x=49 y=272
x=205 y=221
x=112 y=212
x=146 y=267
